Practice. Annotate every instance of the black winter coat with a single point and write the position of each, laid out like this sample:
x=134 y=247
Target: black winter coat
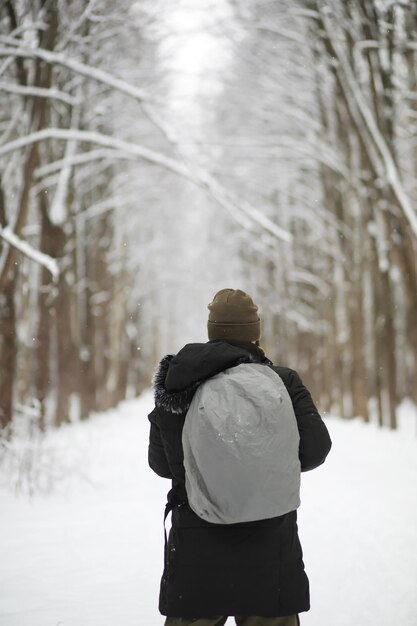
x=253 y=568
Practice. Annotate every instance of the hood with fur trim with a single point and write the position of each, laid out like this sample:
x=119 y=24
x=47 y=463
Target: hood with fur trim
x=178 y=376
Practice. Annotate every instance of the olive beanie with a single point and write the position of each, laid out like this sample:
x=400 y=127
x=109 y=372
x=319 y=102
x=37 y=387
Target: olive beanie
x=233 y=315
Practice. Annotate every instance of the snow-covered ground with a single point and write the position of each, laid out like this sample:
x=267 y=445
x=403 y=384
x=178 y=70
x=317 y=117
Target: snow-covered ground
x=86 y=549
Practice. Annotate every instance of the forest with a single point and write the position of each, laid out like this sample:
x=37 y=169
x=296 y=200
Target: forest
x=150 y=155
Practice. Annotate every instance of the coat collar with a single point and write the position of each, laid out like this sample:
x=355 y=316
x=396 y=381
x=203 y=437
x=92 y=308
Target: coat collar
x=172 y=401
x=178 y=376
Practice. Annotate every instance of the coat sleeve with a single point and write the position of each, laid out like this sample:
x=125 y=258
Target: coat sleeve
x=157 y=458
x=315 y=442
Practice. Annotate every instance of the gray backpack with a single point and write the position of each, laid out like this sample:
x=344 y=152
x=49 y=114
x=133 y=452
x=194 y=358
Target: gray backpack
x=241 y=441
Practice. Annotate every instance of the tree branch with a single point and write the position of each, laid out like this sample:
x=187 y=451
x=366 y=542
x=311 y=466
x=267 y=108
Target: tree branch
x=25 y=248
x=39 y=92
x=244 y=213
x=353 y=91
x=81 y=158
x=78 y=67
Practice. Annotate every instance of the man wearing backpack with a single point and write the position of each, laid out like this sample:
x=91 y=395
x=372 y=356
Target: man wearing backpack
x=232 y=432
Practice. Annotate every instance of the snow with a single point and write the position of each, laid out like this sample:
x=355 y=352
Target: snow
x=86 y=549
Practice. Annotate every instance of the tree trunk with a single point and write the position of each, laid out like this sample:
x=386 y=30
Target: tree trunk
x=8 y=350
x=46 y=324
x=67 y=354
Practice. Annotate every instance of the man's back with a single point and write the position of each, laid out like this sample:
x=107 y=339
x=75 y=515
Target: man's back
x=250 y=568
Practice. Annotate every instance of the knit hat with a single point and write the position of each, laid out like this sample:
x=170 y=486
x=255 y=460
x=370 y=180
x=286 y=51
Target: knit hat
x=233 y=315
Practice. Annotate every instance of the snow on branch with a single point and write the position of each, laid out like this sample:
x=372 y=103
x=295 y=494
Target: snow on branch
x=307 y=278
x=78 y=67
x=98 y=138
x=387 y=160
x=101 y=207
x=305 y=13
x=25 y=248
x=280 y=32
x=245 y=214
x=81 y=158
x=241 y=212
x=40 y=92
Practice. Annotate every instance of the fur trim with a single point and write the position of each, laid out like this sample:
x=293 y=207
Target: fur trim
x=179 y=401
x=172 y=401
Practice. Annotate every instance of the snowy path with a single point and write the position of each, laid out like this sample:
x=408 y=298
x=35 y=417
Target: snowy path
x=90 y=554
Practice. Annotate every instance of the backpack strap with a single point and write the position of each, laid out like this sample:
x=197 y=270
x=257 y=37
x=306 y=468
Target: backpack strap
x=168 y=508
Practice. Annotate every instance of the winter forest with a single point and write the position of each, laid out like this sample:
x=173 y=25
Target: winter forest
x=151 y=154
x=147 y=155
x=155 y=151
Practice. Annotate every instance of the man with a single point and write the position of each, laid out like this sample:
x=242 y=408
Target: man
x=252 y=570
